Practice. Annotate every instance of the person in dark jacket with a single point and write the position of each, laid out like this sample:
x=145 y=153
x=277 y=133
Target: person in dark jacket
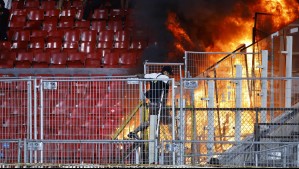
x=157 y=95
x=4 y=21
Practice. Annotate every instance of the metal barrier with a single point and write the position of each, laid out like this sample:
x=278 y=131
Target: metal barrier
x=229 y=114
x=214 y=115
x=98 y=109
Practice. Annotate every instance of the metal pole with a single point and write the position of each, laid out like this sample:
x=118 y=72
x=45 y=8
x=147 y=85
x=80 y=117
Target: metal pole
x=186 y=64
x=272 y=75
x=238 y=119
x=153 y=148
x=173 y=119
x=181 y=125
x=264 y=93
x=41 y=87
x=210 y=127
x=256 y=138
x=289 y=55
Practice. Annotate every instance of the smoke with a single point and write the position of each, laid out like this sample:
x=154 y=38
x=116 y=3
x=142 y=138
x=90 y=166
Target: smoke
x=206 y=22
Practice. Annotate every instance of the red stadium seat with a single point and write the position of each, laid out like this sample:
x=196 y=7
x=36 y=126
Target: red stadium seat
x=121 y=45
x=51 y=13
x=48 y=5
x=7 y=59
x=24 y=60
x=70 y=47
x=110 y=60
x=105 y=39
x=100 y=14
x=104 y=51
x=87 y=47
x=106 y=35
x=128 y=59
x=49 y=25
x=53 y=45
x=95 y=55
x=37 y=44
x=68 y=12
x=19 y=46
x=58 y=60
x=17 y=22
x=21 y=35
x=35 y=19
x=17 y=5
x=82 y=25
x=41 y=57
x=5 y=45
x=122 y=35
x=78 y=4
x=6 y=63
x=38 y=34
x=66 y=22
x=92 y=63
x=88 y=36
x=138 y=44
x=33 y=25
x=31 y=4
x=76 y=60
x=41 y=60
x=72 y=35
x=116 y=14
x=115 y=25
x=35 y=14
x=98 y=25
x=93 y=60
x=56 y=35
x=16 y=26
x=105 y=45
x=79 y=14
x=8 y=55
x=18 y=12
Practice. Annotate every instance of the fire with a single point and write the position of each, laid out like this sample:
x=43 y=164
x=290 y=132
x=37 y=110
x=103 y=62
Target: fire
x=284 y=11
x=226 y=35
x=235 y=28
x=178 y=32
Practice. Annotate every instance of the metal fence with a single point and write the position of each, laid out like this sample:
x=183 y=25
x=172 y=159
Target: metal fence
x=230 y=114
x=87 y=118
x=213 y=118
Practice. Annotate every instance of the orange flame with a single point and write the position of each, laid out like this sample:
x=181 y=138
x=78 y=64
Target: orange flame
x=178 y=32
x=234 y=29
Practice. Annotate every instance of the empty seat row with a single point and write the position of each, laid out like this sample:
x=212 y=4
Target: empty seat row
x=64 y=59
x=49 y=4
x=20 y=23
x=84 y=47
x=76 y=14
x=70 y=35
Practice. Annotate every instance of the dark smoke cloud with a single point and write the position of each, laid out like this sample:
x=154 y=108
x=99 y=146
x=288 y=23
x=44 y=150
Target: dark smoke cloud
x=201 y=19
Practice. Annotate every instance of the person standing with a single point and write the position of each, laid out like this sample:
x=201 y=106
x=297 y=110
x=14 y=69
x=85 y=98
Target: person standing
x=157 y=95
x=4 y=20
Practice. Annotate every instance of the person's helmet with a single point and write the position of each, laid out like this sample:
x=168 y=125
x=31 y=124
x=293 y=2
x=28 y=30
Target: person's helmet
x=167 y=69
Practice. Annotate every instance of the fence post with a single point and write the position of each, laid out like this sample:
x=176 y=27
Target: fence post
x=181 y=125
x=238 y=120
x=256 y=138
x=153 y=147
x=289 y=55
x=264 y=93
x=210 y=127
